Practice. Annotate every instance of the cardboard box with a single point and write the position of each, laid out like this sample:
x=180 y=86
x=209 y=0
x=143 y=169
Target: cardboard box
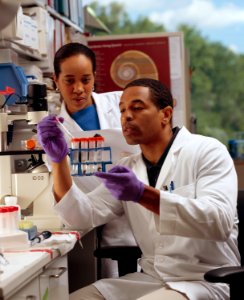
x=8 y=56
x=14 y=31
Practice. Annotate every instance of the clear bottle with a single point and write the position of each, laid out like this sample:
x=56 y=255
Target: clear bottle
x=8 y=219
x=3 y=219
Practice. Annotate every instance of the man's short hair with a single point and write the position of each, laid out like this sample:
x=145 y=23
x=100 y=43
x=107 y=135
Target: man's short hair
x=160 y=94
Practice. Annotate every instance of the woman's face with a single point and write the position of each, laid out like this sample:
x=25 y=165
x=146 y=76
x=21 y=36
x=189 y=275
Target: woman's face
x=76 y=82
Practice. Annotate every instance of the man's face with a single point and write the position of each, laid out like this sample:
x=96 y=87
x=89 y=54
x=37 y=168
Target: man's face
x=141 y=120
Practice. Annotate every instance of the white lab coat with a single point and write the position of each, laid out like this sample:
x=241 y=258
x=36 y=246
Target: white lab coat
x=196 y=230
x=107 y=105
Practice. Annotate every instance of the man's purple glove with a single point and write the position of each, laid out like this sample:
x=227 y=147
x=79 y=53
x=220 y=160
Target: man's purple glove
x=52 y=138
x=122 y=183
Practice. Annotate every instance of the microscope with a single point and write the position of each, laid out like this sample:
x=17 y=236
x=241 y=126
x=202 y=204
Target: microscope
x=23 y=173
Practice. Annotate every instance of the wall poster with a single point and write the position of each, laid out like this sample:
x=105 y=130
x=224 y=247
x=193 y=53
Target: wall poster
x=123 y=58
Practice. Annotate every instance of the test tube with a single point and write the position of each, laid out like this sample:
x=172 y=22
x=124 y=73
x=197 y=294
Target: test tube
x=75 y=145
x=99 y=167
x=99 y=148
x=92 y=149
x=74 y=169
x=84 y=169
x=84 y=143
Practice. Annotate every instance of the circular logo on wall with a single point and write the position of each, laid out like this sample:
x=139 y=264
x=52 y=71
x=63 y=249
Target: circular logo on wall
x=131 y=65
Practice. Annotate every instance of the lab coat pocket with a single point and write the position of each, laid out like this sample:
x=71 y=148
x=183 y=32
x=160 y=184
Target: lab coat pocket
x=188 y=190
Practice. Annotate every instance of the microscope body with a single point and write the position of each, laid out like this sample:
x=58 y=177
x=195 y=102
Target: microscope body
x=23 y=171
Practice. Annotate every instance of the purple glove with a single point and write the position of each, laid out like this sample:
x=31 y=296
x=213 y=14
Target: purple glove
x=122 y=183
x=52 y=138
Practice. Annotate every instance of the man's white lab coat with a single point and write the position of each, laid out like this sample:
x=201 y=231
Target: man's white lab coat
x=195 y=231
x=107 y=106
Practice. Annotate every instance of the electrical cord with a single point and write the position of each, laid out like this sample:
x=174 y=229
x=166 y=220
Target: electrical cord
x=9 y=96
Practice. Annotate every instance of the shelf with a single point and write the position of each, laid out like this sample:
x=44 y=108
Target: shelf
x=32 y=3
x=67 y=21
x=53 y=13
x=23 y=51
x=21 y=152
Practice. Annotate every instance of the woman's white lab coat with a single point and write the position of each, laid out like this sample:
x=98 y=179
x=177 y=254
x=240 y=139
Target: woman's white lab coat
x=195 y=231
x=107 y=106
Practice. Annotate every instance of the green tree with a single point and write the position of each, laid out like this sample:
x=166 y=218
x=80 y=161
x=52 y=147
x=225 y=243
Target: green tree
x=215 y=95
x=217 y=88
x=117 y=20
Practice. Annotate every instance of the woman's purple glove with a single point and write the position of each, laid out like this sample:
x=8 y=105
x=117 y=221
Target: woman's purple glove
x=122 y=183
x=52 y=138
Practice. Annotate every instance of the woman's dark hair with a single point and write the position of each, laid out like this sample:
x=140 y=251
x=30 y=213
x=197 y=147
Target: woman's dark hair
x=161 y=95
x=69 y=50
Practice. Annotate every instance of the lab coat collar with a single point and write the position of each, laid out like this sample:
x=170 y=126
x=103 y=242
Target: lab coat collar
x=71 y=125
x=166 y=173
x=139 y=168
x=181 y=139
x=104 y=109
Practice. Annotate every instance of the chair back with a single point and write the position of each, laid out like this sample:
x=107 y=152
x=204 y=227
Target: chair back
x=126 y=256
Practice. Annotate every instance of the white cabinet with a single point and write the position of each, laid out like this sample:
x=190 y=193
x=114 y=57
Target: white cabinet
x=51 y=284
x=39 y=273
x=30 y=292
x=54 y=280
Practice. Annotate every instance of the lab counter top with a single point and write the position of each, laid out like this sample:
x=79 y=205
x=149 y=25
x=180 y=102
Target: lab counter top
x=24 y=265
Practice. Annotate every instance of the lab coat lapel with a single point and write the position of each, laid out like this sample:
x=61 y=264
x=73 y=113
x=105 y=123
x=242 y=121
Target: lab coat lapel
x=167 y=170
x=69 y=123
x=165 y=175
x=103 y=110
x=139 y=169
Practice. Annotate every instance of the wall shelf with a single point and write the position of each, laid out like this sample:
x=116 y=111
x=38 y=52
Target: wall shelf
x=53 y=13
x=21 y=152
x=22 y=50
x=32 y=2
x=65 y=20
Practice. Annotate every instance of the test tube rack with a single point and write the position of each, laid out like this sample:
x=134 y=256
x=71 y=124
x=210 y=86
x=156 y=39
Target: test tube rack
x=89 y=165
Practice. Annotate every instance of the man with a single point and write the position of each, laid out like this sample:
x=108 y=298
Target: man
x=179 y=195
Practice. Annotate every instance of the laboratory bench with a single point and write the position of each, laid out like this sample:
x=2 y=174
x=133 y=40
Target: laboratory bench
x=38 y=272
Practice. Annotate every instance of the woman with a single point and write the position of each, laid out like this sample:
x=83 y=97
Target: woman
x=83 y=109
x=74 y=76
